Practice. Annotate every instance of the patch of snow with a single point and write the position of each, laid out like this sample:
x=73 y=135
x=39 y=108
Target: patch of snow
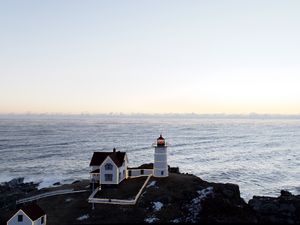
x=195 y=206
x=151 y=219
x=157 y=206
x=69 y=199
x=205 y=192
x=151 y=184
x=84 y=217
x=175 y=221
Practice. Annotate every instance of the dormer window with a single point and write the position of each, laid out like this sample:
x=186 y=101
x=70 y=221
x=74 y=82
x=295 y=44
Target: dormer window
x=108 y=166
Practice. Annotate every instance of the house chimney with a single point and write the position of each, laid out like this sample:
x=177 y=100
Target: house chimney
x=114 y=150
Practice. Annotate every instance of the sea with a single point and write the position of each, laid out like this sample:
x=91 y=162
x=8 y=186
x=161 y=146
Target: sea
x=260 y=154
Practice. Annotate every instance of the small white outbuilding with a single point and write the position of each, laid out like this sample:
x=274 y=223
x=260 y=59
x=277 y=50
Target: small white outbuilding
x=28 y=215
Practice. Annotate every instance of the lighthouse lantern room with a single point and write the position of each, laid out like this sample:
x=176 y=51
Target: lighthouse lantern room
x=160 y=168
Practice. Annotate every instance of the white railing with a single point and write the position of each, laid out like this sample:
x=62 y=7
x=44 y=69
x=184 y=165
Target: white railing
x=118 y=201
x=48 y=194
x=137 y=172
x=95 y=192
x=141 y=190
x=112 y=201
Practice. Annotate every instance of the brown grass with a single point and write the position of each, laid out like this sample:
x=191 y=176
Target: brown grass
x=126 y=190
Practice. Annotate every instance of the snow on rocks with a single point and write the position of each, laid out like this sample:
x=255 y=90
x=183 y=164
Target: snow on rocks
x=69 y=199
x=175 y=221
x=194 y=207
x=83 y=217
x=152 y=184
x=157 y=206
x=151 y=219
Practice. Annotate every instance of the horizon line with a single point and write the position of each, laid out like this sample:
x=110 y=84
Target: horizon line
x=116 y=114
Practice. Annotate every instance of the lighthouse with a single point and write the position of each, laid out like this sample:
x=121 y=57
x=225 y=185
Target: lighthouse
x=160 y=168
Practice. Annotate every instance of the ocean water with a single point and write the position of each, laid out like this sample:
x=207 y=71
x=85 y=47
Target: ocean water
x=261 y=155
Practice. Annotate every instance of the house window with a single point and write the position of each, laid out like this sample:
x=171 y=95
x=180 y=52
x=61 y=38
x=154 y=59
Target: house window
x=20 y=218
x=42 y=220
x=142 y=172
x=162 y=173
x=108 y=166
x=108 y=177
x=119 y=175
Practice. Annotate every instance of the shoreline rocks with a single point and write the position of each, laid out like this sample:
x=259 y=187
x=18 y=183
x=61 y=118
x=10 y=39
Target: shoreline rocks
x=282 y=209
x=223 y=203
x=13 y=190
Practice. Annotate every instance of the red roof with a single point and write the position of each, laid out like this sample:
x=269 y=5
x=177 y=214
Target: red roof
x=33 y=211
x=98 y=158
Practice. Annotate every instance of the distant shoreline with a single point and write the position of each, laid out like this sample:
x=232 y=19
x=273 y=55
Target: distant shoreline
x=152 y=115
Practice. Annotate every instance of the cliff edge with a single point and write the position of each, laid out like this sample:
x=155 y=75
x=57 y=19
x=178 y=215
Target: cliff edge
x=179 y=198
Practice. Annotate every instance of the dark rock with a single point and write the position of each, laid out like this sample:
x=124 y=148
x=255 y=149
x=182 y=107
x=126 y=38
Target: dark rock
x=285 y=193
x=163 y=199
x=255 y=203
x=57 y=183
x=283 y=209
x=76 y=181
x=228 y=193
x=14 y=190
x=287 y=208
x=183 y=197
x=15 y=182
x=174 y=169
x=269 y=208
x=226 y=206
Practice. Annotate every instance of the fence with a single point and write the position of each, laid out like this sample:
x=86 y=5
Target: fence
x=118 y=201
x=132 y=173
x=48 y=194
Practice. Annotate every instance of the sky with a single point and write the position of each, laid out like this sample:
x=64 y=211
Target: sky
x=234 y=57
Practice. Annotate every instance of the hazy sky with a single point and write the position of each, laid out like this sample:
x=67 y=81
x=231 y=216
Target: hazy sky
x=150 y=56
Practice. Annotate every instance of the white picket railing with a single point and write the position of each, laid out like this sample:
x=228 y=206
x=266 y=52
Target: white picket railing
x=117 y=201
x=48 y=194
x=95 y=192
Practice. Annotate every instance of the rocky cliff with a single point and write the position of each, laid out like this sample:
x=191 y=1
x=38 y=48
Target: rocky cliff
x=180 y=198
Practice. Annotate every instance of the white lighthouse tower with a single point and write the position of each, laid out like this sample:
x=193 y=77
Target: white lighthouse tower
x=160 y=168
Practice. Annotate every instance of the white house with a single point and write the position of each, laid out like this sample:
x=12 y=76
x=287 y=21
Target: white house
x=28 y=215
x=108 y=168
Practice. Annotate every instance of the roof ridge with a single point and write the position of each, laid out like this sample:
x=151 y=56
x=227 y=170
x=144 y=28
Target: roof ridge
x=99 y=157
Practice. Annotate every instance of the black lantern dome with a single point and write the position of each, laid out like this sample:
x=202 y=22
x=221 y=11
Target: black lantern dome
x=161 y=141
